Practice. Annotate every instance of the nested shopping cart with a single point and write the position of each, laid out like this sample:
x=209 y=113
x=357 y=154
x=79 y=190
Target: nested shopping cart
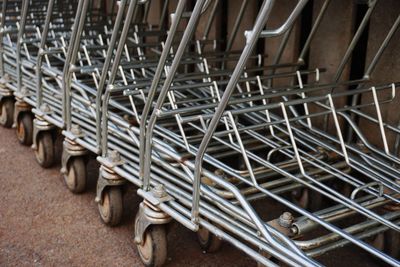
x=58 y=35
x=212 y=146
x=43 y=32
x=98 y=66
x=11 y=14
x=284 y=158
x=23 y=23
x=43 y=25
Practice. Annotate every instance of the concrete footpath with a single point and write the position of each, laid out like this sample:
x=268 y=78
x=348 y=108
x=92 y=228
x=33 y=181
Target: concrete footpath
x=43 y=224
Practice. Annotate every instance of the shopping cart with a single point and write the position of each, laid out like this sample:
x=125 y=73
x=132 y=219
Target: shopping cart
x=8 y=60
x=214 y=137
x=191 y=172
x=98 y=59
x=36 y=18
x=41 y=68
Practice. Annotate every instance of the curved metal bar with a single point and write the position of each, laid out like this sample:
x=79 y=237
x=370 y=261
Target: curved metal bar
x=153 y=89
x=285 y=26
x=24 y=13
x=66 y=79
x=39 y=61
x=107 y=63
x=2 y=29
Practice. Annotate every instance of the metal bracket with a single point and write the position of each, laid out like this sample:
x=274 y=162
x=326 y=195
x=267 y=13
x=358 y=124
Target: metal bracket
x=107 y=177
x=20 y=107
x=146 y=216
x=70 y=149
x=4 y=90
x=74 y=133
x=5 y=79
x=40 y=125
x=283 y=224
x=112 y=160
x=156 y=196
x=20 y=95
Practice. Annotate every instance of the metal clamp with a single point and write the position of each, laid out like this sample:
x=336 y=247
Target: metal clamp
x=70 y=149
x=40 y=125
x=150 y=214
x=107 y=177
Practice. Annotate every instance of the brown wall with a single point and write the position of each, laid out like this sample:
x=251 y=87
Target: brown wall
x=327 y=48
x=386 y=71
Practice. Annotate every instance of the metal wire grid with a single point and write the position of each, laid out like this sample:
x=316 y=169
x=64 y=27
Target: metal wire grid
x=167 y=104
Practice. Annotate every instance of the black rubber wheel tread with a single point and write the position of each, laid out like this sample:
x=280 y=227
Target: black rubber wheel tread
x=45 y=150
x=156 y=234
x=7 y=113
x=76 y=176
x=111 y=208
x=25 y=129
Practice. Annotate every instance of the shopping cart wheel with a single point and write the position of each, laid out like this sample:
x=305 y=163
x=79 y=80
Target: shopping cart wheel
x=153 y=249
x=75 y=177
x=25 y=128
x=7 y=112
x=208 y=241
x=111 y=206
x=45 y=149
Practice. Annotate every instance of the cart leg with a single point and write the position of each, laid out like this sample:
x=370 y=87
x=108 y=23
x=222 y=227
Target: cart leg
x=74 y=162
x=6 y=104
x=151 y=234
x=25 y=128
x=7 y=112
x=208 y=242
x=23 y=121
x=283 y=224
x=109 y=196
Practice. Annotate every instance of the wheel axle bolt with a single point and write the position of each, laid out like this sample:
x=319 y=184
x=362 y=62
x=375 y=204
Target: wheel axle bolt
x=45 y=108
x=24 y=90
x=114 y=156
x=159 y=191
x=76 y=130
x=286 y=219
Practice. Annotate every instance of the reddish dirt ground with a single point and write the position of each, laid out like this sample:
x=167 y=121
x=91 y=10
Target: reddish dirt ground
x=43 y=224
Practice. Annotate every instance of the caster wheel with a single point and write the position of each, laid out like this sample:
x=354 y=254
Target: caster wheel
x=45 y=150
x=307 y=199
x=208 y=242
x=25 y=129
x=153 y=250
x=392 y=243
x=7 y=113
x=111 y=207
x=75 y=178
